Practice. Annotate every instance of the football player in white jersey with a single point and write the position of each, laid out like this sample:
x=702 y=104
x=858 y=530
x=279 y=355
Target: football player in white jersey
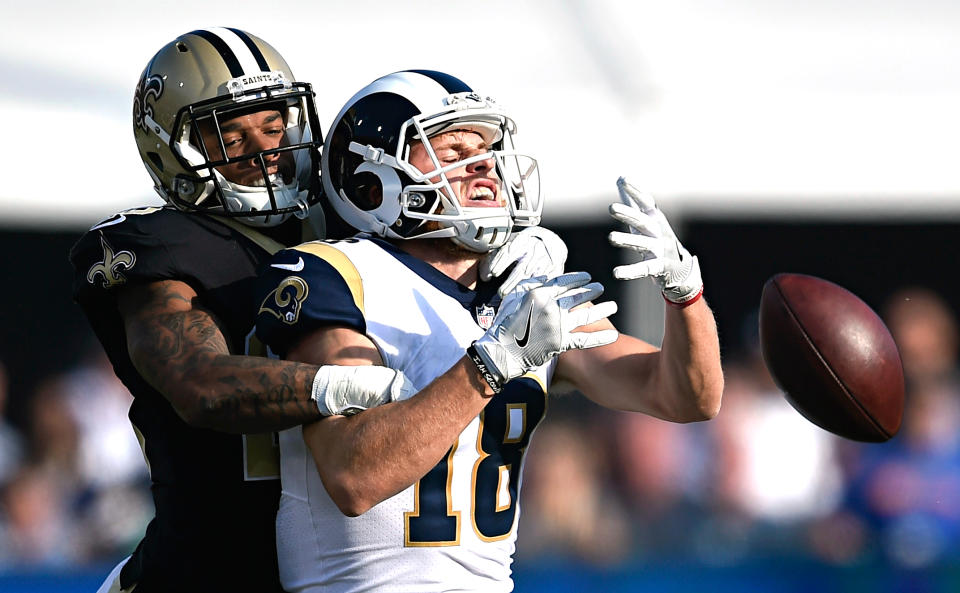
x=422 y=494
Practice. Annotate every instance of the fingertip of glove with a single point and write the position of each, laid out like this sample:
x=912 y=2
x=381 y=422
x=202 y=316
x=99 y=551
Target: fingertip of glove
x=594 y=287
x=607 y=308
x=575 y=278
x=610 y=336
x=622 y=239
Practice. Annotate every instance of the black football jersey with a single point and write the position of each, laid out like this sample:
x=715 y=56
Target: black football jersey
x=216 y=494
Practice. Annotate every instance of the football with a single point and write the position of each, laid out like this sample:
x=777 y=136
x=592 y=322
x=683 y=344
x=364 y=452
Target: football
x=832 y=356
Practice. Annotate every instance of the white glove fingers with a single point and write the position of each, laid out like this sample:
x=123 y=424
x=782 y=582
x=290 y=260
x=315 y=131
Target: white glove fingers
x=530 y=265
x=525 y=285
x=518 y=251
x=518 y=275
x=653 y=223
x=647 y=227
x=588 y=315
x=631 y=216
x=651 y=245
x=494 y=264
x=578 y=296
x=497 y=262
x=643 y=269
x=630 y=195
x=537 y=250
x=583 y=340
x=566 y=281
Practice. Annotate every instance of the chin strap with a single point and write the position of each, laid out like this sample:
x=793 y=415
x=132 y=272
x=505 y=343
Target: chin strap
x=285 y=197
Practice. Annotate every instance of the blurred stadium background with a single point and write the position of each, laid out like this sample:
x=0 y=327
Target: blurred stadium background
x=816 y=137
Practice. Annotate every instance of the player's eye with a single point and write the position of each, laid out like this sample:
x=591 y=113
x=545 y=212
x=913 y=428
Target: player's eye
x=448 y=157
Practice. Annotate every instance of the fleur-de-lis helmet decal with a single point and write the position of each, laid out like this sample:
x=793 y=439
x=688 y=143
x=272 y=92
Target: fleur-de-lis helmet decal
x=148 y=91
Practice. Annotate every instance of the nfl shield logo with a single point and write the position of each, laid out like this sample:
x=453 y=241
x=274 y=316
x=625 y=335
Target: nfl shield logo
x=485 y=316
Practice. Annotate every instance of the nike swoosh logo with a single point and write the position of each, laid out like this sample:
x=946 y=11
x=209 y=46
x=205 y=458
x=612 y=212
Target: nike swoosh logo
x=522 y=340
x=297 y=267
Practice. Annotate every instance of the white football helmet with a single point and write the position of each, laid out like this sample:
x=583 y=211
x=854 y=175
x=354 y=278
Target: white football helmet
x=367 y=152
x=193 y=85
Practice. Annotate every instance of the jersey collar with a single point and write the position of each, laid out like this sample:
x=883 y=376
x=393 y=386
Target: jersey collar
x=485 y=293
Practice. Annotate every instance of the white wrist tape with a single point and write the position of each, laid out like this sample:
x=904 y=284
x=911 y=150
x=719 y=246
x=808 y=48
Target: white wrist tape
x=346 y=390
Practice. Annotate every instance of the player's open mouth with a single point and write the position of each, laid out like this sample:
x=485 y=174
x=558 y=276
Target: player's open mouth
x=483 y=194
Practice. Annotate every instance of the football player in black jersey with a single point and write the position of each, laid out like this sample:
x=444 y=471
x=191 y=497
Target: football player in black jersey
x=232 y=142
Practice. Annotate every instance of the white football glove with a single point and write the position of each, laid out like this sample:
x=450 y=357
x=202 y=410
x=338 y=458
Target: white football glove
x=664 y=258
x=535 y=323
x=536 y=251
x=346 y=390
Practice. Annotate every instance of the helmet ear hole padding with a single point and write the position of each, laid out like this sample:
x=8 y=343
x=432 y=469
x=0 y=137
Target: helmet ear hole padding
x=366 y=189
x=376 y=175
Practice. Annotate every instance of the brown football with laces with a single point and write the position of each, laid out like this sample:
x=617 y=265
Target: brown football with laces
x=832 y=356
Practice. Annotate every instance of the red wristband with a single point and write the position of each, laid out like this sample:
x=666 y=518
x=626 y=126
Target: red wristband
x=686 y=303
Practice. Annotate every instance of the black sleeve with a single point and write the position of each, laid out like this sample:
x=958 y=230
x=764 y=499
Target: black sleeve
x=120 y=251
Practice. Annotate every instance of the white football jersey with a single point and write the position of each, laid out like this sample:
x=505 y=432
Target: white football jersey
x=455 y=529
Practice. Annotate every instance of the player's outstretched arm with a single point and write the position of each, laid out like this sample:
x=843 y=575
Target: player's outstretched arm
x=180 y=350
x=682 y=381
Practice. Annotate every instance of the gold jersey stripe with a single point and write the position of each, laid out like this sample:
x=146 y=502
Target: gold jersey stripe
x=342 y=264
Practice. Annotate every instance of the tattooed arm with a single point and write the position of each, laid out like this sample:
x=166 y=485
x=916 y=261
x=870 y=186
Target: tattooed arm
x=179 y=349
